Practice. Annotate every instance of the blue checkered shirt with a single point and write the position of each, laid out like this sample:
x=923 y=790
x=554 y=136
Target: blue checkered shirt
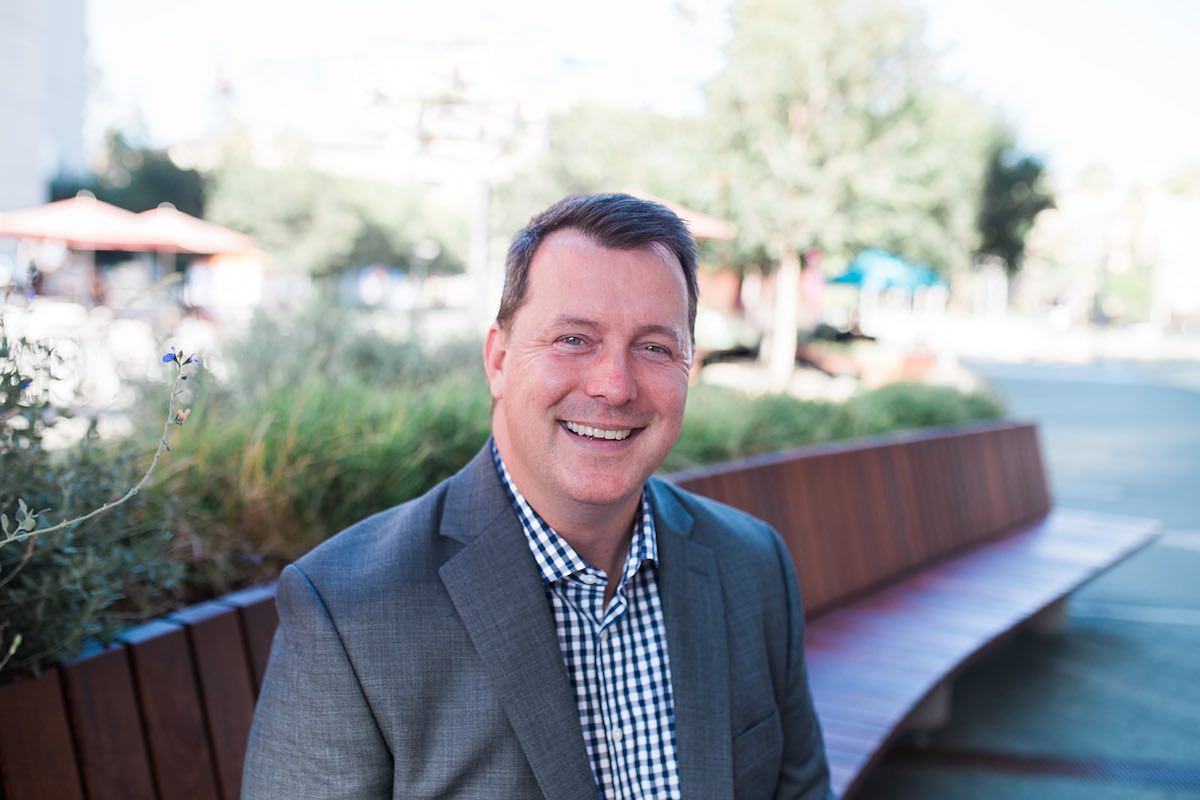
x=616 y=658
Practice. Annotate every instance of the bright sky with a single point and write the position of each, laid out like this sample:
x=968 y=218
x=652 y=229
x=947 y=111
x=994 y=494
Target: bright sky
x=1083 y=81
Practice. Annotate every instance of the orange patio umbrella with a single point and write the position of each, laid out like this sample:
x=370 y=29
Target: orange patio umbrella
x=82 y=223
x=188 y=234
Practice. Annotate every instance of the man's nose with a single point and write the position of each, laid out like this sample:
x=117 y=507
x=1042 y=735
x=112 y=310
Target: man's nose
x=610 y=377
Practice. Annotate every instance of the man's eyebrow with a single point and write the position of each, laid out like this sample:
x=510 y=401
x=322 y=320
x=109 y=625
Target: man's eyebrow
x=665 y=330
x=565 y=321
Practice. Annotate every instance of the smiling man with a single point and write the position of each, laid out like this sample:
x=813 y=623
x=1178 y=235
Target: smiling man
x=552 y=622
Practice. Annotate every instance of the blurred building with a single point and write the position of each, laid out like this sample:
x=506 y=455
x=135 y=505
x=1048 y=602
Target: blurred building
x=43 y=88
x=1109 y=253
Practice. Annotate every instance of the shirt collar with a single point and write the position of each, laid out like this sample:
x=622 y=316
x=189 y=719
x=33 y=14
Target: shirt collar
x=555 y=558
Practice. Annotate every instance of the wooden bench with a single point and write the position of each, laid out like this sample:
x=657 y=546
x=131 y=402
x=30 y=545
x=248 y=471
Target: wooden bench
x=163 y=713
x=916 y=553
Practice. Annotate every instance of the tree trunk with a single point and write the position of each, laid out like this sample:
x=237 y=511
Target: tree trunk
x=781 y=361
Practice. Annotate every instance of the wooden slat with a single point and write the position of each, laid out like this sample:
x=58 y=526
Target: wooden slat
x=108 y=726
x=226 y=686
x=173 y=712
x=37 y=759
x=256 y=610
x=800 y=530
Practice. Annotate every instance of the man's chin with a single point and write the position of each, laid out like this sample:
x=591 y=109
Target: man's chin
x=605 y=494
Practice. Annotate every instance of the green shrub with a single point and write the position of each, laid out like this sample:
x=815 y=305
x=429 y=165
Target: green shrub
x=322 y=420
x=90 y=580
x=319 y=421
x=904 y=406
x=724 y=424
x=252 y=489
x=309 y=424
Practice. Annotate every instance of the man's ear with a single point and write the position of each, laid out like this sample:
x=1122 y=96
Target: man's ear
x=495 y=349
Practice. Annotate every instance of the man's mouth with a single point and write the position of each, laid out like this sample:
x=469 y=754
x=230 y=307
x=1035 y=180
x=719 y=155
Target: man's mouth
x=614 y=434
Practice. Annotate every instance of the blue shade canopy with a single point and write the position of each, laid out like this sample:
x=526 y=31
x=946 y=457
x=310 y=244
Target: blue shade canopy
x=879 y=270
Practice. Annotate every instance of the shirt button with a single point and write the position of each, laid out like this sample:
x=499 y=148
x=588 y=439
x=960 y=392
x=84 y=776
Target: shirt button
x=589 y=578
x=617 y=735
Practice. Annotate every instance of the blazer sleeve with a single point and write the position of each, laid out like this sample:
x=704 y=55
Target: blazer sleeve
x=804 y=774
x=314 y=734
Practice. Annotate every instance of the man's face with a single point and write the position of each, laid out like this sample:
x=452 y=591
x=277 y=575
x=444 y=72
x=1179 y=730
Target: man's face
x=591 y=377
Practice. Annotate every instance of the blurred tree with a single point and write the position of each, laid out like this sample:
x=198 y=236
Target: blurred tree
x=322 y=224
x=1014 y=193
x=137 y=179
x=1184 y=180
x=600 y=148
x=836 y=136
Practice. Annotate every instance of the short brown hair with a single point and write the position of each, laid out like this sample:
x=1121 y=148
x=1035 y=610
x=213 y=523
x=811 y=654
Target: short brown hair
x=616 y=221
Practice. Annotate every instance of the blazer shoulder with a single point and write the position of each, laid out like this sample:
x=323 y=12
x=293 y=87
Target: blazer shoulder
x=384 y=548
x=716 y=524
x=400 y=550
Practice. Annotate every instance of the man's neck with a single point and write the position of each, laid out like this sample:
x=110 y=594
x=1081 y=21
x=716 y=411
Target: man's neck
x=600 y=534
x=600 y=537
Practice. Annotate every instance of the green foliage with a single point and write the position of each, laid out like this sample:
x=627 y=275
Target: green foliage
x=321 y=224
x=85 y=582
x=905 y=406
x=836 y=134
x=321 y=421
x=601 y=148
x=724 y=424
x=138 y=179
x=265 y=485
x=89 y=581
x=1014 y=193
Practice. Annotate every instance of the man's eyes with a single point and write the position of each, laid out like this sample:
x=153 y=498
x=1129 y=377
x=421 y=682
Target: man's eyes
x=651 y=348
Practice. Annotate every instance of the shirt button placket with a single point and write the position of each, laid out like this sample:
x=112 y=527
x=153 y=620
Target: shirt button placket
x=610 y=708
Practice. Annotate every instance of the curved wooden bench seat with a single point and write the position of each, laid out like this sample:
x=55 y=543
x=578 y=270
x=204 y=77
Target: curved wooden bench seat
x=915 y=554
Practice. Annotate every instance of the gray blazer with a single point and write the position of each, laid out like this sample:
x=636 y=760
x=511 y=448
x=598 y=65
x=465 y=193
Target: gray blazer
x=416 y=657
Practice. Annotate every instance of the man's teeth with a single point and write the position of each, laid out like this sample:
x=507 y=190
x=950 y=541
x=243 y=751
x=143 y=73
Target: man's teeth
x=598 y=433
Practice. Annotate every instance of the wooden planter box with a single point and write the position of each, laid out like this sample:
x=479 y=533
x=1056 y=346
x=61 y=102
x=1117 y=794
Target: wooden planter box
x=163 y=713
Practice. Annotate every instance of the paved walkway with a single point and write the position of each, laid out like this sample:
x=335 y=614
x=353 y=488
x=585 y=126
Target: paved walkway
x=1111 y=711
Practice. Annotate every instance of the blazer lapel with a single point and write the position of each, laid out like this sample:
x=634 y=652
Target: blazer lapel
x=693 y=608
x=495 y=587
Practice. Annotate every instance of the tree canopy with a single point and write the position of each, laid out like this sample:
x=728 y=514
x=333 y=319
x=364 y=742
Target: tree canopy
x=836 y=134
x=321 y=224
x=137 y=179
x=1014 y=193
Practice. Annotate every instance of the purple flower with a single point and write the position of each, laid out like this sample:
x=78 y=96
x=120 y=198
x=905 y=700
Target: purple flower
x=24 y=384
x=168 y=358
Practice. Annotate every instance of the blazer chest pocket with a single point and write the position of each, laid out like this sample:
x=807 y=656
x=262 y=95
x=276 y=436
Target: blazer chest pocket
x=757 y=752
